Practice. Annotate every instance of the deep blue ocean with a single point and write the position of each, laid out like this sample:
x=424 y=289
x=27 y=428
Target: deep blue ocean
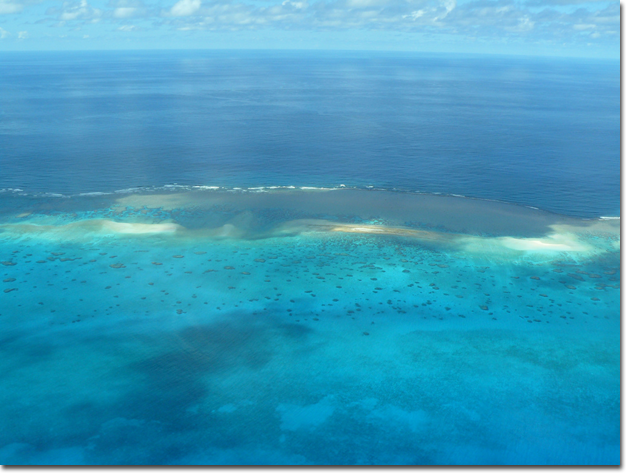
x=538 y=132
x=298 y=258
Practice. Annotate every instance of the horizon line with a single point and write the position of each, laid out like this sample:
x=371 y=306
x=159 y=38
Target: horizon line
x=319 y=50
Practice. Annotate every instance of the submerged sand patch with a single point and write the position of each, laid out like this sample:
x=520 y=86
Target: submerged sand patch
x=167 y=202
x=586 y=237
x=562 y=238
x=140 y=228
x=78 y=229
x=594 y=237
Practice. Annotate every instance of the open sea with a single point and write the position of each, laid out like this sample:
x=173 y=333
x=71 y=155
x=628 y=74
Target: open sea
x=298 y=258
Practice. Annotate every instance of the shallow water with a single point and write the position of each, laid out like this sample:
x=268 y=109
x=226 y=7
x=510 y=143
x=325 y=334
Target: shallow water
x=306 y=327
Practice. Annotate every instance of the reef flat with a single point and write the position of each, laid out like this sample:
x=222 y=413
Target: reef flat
x=323 y=326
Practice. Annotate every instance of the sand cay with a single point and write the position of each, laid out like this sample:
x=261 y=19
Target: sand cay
x=584 y=238
x=278 y=210
x=562 y=238
x=303 y=226
x=402 y=210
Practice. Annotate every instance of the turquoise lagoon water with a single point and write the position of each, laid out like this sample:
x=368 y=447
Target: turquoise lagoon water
x=256 y=323
x=287 y=326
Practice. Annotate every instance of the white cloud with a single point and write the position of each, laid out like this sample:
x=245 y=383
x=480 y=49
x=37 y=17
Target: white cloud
x=584 y=27
x=524 y=24
x=185 y=7
x=4 y=33
x=365 y=3
x=124 y=12
x=129 y=9
x=82 y=10
x=545 y=3
x=22 y=35
x=486 y=20
x=470 y=19
x=7 y=8
x=449 y=5
x=415 y=15
x=298 y=5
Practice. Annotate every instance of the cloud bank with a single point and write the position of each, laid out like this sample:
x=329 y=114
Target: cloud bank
x=556 y=21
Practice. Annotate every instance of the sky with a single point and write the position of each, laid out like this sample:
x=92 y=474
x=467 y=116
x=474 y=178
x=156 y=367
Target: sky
x=573 y=28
